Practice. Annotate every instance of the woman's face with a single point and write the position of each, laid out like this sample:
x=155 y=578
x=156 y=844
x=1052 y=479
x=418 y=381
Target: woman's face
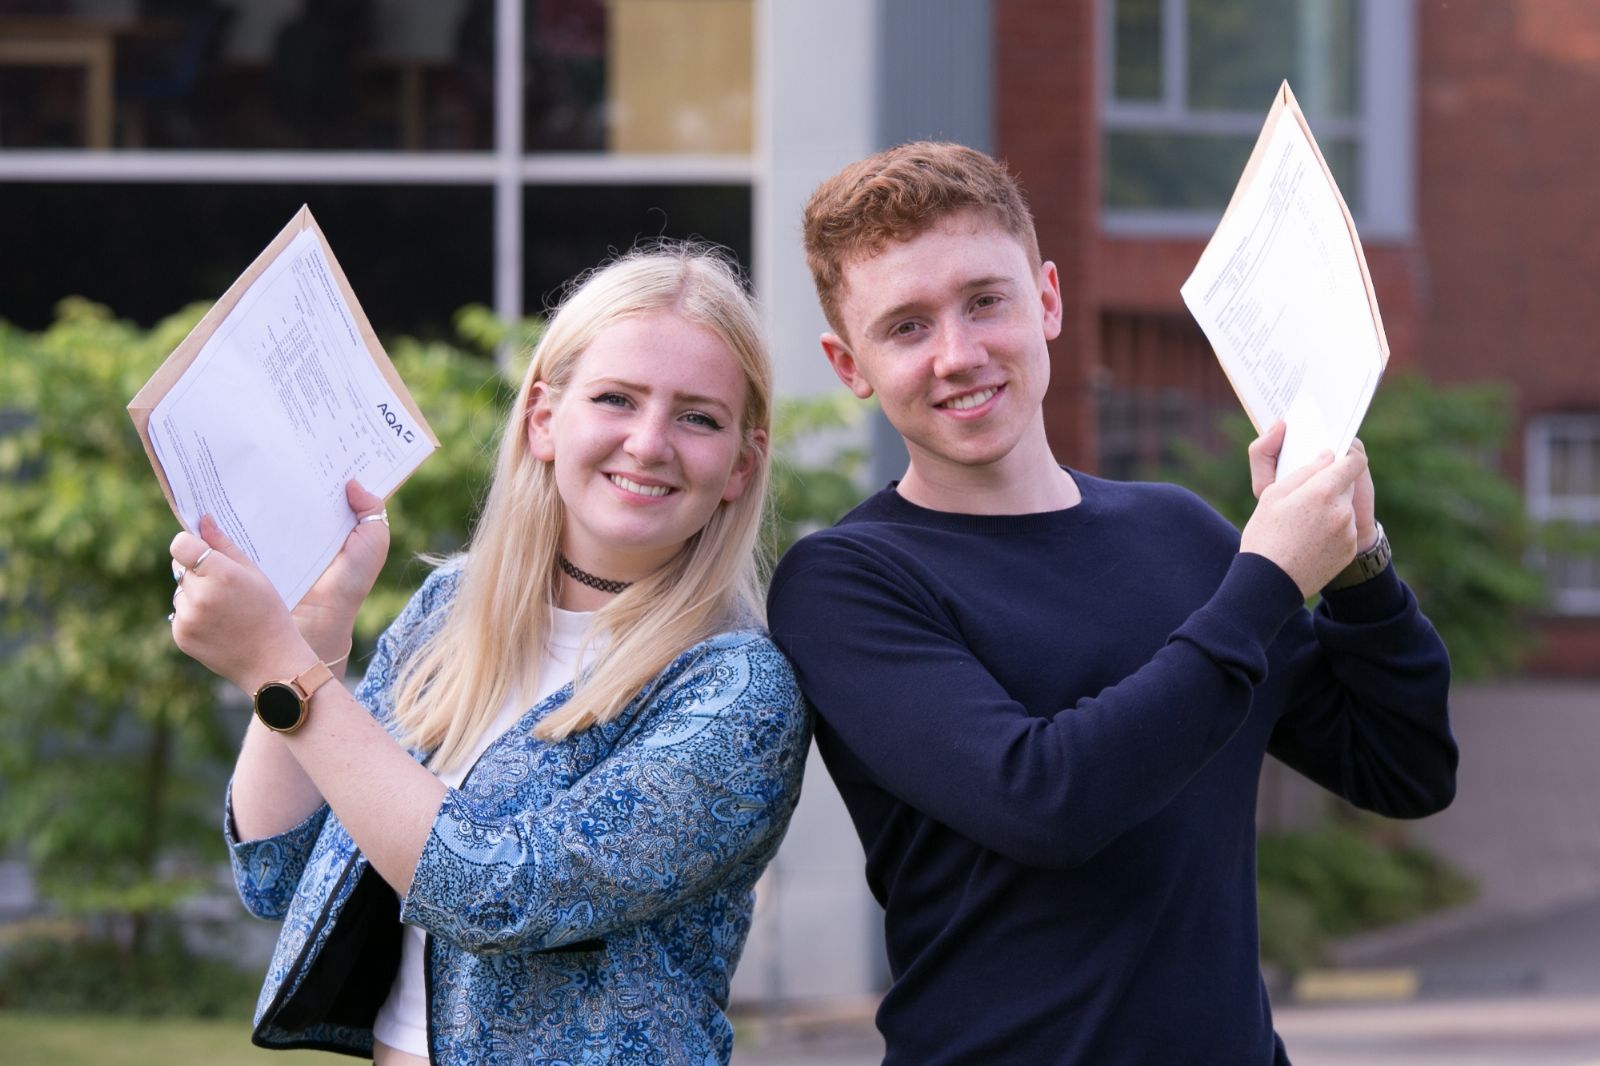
x=646 y=441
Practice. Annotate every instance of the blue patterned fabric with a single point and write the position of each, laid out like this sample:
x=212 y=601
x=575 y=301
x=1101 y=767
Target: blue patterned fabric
x=585 y=901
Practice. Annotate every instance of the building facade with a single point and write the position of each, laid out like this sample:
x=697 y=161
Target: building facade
x=1457 y=132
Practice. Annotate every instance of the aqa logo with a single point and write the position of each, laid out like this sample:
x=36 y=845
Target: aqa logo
x=395 y=424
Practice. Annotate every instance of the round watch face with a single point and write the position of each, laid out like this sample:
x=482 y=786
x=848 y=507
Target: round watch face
x=278 y=705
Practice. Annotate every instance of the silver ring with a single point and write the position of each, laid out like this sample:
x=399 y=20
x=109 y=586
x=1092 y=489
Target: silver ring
x=381 y=516
x=195 y=566
x=172 y=615
x=178 y=570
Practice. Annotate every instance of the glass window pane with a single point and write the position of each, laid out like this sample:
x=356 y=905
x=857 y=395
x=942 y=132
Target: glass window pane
x=1589 y=483
x=1344 y=159
x=244 y=74
x=564 y=75
x=681 y=76
x=1562 y=478
x=1137 y=28
x=1172 y=170
x=639 y=75
x=414 y=255
x=1197 y=171
x=569 y=229
x=1240 y=50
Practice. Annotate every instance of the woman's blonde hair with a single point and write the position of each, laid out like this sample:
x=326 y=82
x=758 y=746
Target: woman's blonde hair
x=494 y=635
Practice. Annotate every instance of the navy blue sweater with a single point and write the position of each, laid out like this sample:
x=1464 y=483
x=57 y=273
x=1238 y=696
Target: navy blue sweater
x=1048 y=730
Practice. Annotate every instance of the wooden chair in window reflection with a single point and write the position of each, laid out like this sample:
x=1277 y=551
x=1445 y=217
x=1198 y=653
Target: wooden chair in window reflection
x=160 y=77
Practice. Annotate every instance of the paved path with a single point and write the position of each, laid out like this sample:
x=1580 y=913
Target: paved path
x=1516 y=1031
x=1526 y=826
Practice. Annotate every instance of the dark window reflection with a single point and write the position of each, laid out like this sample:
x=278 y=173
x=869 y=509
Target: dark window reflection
x=568 y=229
x=413 y=255
x=240 y=74
x=415 y=75
x=1199 y=171
x=564 y=75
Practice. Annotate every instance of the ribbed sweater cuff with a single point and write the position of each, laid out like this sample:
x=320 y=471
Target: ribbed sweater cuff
x=1257 y=596
x=1371 y=601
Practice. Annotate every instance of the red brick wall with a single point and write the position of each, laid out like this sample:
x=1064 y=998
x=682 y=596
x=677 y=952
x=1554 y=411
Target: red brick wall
x=1509 y=219
x=1047 y=131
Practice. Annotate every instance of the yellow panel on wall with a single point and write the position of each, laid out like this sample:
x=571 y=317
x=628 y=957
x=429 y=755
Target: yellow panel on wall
x=679 y=76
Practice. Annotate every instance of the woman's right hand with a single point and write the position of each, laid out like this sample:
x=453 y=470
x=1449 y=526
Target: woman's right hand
x=327 y=613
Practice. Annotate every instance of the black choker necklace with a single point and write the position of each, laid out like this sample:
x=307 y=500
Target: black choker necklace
x=583 y=577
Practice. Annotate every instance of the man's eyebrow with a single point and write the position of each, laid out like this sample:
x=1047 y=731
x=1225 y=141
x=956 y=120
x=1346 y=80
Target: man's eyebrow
x=984 y=282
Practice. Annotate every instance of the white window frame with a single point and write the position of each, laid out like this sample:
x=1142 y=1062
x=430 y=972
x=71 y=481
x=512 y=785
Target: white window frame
x=1383 y=124
x=1542 y=431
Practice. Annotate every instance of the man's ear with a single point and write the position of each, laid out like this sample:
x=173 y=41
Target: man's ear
x=540 y=411
x=1050 y=298
x=843 y=361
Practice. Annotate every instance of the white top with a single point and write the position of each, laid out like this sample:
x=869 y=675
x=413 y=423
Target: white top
x=403 y=1020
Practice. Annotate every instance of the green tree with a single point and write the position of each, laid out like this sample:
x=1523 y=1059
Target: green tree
x=817 y=464
x=113 y=744
x=1461 y=535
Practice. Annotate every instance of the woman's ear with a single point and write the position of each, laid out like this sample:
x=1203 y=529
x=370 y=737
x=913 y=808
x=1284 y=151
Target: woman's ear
x=541 y=409
x=751 y=456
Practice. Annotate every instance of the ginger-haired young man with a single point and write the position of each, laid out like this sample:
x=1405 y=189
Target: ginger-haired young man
x=1046 y=697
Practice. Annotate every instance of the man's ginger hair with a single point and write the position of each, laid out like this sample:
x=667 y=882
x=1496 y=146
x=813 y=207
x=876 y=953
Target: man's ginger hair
x=897 y=195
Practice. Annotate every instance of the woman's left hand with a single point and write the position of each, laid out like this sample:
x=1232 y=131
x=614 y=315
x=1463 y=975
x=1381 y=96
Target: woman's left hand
x=327 y=612
x=228 y=617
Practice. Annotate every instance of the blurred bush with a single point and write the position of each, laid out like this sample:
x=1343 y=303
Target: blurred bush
x=817 y=465
x=1348 y=875
x=111 y=749
x=74 y=974
x=1460 y=532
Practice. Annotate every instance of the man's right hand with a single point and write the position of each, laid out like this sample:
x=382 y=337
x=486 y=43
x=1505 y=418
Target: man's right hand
x=1305 y=522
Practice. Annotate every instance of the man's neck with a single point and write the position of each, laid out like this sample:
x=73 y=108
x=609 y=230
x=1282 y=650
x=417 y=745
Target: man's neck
x=1027 y=481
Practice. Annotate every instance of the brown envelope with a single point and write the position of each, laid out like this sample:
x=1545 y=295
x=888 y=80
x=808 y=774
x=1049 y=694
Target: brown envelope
x=184 y=354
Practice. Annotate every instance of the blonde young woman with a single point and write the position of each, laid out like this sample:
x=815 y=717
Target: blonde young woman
x=533 y=832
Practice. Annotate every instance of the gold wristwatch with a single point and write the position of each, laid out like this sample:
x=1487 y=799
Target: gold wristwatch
x=282 y=706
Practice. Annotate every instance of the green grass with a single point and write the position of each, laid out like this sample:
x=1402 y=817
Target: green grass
x=87 y=1040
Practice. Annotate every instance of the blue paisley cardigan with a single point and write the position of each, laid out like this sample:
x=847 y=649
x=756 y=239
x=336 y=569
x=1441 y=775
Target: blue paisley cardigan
x=585 y=901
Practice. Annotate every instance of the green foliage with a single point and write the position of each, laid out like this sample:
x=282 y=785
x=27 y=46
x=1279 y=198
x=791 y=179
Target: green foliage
x=71 y=975
x=109 y=741
x=113 y=748
x=1343 y=877
x=816 y=470
x=466 y=401
x=1459 y=529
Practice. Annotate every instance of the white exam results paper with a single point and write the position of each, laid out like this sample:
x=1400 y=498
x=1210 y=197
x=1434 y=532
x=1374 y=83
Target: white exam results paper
x=283 y=405
x=1283 y=294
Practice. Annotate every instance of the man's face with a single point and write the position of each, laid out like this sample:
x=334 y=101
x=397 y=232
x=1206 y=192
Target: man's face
x=949 y=330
